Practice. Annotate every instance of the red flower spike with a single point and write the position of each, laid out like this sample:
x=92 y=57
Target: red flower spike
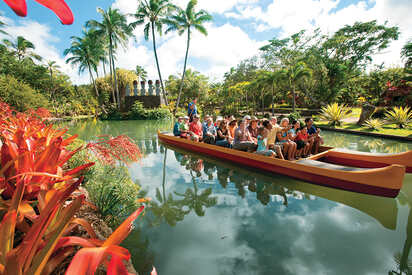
x=59 y=7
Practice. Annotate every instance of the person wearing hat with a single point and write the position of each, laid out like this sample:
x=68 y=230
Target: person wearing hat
x=184 y=127
x=247 y=119
x=196 y=129
x=176 y=130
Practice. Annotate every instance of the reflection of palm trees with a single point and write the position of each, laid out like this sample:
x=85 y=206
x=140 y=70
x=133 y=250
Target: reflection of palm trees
x=167 y=208
x=374 y=145
x=195 y=201
x=403 y=264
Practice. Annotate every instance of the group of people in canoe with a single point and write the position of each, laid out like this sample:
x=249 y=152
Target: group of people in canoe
x=286 y=140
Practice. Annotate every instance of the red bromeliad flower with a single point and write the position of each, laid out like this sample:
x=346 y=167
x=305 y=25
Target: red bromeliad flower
x=59 y=7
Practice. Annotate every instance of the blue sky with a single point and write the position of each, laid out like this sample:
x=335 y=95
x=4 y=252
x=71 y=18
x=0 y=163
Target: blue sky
x=239 y=28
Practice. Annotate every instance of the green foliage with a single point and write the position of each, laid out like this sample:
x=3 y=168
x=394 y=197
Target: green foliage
x=374 y=124
x=20 y=95
x=334 y=113
x=139 y=112
x=295 y=116
x=195 y=85
x=113 y=192
x=400 y=116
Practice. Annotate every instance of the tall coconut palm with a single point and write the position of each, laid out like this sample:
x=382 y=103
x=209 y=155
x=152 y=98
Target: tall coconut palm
x=52 y=67
x=115 y=29
x=85 y=52
x=270 y=78
x=141 y=73
x=22 y=48
x=2 y=24
x=151 y=14
x=183 y=21
x=295 y=73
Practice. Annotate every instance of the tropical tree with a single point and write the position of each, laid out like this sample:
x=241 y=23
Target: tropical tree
x=141 y=73
x=22 y=48
x=116 y=31
x=2 y=24
x=52 y=67
x=270 y=78
x=294 y=74
x=151 y=14
x=197 y=201
x=183 y=21
x=406 y=54
x=85 y=52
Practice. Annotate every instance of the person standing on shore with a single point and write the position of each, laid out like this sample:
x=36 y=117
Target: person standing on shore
x=192 y=109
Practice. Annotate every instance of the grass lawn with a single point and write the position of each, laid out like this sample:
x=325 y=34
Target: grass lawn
x=389 y=129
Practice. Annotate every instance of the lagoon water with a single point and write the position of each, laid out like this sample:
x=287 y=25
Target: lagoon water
x=209 y=217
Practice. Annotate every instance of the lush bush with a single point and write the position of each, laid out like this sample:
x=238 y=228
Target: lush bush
x=19 y=95
x=139 y=112
x=334 y=113
x=374 y=124
x=400 y=116
x=113 y=192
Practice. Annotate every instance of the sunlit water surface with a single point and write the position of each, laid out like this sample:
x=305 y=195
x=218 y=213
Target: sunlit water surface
x=209 y=217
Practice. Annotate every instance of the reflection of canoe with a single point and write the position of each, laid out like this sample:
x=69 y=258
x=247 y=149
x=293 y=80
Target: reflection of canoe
x=385 y=181
x=384 y=210
x=365 y=160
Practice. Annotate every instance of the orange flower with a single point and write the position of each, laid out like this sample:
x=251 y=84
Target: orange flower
x=59 y=7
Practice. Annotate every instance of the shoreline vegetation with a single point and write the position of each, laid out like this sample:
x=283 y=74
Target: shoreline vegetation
x=42 y=171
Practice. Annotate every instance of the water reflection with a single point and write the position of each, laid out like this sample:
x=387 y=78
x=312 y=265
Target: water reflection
x=211 y=217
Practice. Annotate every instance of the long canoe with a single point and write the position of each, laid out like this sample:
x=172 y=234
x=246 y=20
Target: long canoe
x=364 y=159
x=386 y=181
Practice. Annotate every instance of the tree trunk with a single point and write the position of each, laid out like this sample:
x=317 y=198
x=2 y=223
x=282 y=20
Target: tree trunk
x=111 y=76
x=104 y=67
x=273 y=101
x=94 y=83
x=294 y=98
x=157 y=64
x=184 y=71
x=114 y=74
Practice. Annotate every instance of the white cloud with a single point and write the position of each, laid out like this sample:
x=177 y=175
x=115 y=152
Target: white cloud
x=292 y=16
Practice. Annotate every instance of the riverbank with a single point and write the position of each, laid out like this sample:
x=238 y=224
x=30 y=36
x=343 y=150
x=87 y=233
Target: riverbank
x=388 y=131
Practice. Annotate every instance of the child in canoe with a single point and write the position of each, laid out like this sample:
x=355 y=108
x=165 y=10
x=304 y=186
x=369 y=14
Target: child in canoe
x=302 y=139
x=263 y=147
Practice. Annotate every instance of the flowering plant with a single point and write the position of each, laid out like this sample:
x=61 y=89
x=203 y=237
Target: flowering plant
x=59 y=7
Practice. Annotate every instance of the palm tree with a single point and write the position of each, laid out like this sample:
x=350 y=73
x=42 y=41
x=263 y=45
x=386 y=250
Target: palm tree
x=151 y=13
x=167 y=207
x=2 y=24
x=51 y=67
x=115 y=29
x=85 y=52
x=182 y=21
x=196 y=201
x=295 y=73
x=141 y=73
x=22 y=48
x=270 y=78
